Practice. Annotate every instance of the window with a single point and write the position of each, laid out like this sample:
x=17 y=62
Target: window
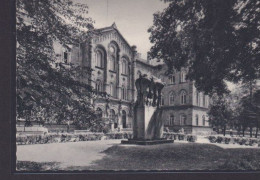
x=111 y=89
x=65 y=57
x=171 y=120
x=204 y=100
x=124 y=93
x=99 y=59
x=124 y=66
x=162 y=99
x=183 y=76
x=171 y=98
x=198 y=98
x=197 y=120
x=182 y=119
x=99 y=112
x=113 y=63
x=112 y=115
x=172 y=80
x=98 y=86
x=183 y=97
x=203 y=120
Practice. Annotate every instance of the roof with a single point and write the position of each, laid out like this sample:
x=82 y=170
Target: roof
x=111 y=28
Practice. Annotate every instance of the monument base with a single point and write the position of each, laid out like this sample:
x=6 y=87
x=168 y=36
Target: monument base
x=147 y=142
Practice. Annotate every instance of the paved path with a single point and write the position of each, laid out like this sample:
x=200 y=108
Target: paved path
x=68 y=154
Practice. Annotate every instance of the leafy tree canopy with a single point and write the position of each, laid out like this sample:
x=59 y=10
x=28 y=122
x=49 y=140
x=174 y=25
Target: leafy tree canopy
x=42 y=90
x=217 y=40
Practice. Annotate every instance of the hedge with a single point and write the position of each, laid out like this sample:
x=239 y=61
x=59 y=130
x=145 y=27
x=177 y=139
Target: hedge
x=234 y=140
x=180 y=137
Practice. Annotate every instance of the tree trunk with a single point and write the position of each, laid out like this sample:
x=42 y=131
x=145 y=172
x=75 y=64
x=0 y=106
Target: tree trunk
x=243 y=132
x=224 y=131
x=251 y=129
x=256 y=132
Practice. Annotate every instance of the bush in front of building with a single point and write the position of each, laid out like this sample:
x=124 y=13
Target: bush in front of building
x=191 y=138
x=234 y=140
x=180 y=137
x=119 y=135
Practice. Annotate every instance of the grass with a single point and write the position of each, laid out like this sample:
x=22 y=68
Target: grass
x=176 y=156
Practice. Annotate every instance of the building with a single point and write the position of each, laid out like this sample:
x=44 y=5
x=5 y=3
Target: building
x=116 y=65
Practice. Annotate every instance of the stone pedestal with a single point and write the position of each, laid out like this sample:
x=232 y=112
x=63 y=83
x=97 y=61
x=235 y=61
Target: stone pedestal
x=148 y=122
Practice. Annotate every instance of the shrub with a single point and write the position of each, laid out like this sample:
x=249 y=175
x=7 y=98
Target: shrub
x=119 y=135
x=219 y=139
x=212 y=139
x=191 y=138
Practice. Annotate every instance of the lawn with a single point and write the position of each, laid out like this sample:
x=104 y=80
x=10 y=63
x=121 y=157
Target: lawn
x=176 y=156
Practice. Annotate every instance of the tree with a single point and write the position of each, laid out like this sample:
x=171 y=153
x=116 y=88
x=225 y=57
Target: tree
x=217 y=40
x=249 y=115
x=220 y=113
x=42 y=90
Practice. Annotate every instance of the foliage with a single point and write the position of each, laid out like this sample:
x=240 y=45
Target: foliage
x=216 y=40
x=220 y=113
x=44 y=92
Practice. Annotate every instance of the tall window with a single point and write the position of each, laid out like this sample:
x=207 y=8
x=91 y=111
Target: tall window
x=171 y=120
x=113 y=63
x=183 y=97
x=172 y=79
x=183 y=76
x=124 y=66
x=112 y=114
x=197 y=120
x=124 y=93
x=98 y=86
x=162 y=99
x=198 y=98
x=66 y=56
x=99 y=112
x=203 y=120
x=171 y=98
x=111 y=89
x=204 y=100
x=99 y=59
x=182 y=119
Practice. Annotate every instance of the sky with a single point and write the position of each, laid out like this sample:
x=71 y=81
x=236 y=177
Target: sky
x=132 y=18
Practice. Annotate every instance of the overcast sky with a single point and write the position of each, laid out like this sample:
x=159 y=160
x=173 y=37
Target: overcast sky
x=132 y=17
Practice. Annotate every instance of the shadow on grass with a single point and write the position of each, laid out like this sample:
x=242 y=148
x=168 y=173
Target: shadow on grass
x=176 y=157
x=25 y=166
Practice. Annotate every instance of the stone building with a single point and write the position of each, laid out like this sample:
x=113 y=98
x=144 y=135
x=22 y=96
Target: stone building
x=116 y=65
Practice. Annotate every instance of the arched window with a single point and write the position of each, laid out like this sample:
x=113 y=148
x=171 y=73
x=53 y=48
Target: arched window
x=197 y=120
x=203 y=120
x=172 y=79
x=124 y=66
x=182 y=119
x=124 y=93
x=171 y=120
x=183 y=97
x=198 y=98
x=99 y=112
x=99 y=58
x=112 y=115
x=162 y=99
x=183 y=76
x=99 y=86
x=171 y=98
x=113 y=63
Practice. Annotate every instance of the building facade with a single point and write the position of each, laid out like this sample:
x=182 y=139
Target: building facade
x=116 y=65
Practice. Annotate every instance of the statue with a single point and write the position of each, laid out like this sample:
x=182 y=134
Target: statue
x=148 y=124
